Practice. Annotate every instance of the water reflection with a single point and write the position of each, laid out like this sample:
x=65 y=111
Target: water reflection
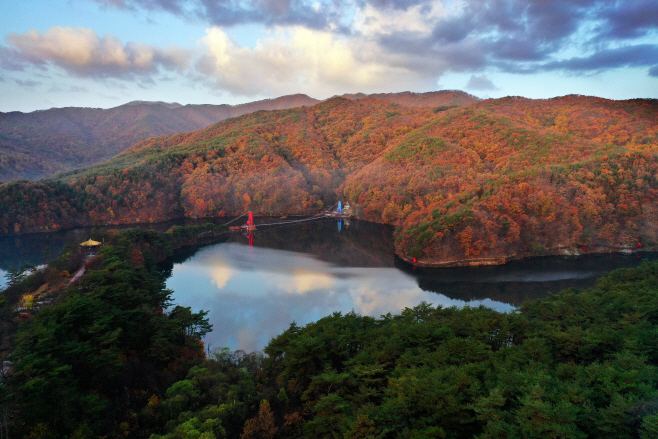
x=305 y=272
x=517 y=281
x=308 y=271
x=254 y=293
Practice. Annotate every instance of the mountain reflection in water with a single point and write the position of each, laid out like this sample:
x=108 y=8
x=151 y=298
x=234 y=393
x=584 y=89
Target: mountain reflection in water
x=306 y=272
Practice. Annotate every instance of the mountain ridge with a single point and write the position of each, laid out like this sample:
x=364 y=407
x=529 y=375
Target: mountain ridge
x=426 y=99
x=41 y=143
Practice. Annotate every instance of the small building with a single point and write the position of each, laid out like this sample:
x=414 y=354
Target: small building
x=90 y=243
x=90 y=247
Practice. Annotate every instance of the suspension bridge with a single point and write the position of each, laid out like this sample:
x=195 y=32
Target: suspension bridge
x=337 y=212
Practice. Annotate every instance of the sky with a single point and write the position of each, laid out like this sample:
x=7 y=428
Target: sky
x=104 y=53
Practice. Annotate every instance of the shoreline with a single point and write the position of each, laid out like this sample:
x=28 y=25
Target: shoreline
x=502 y=260
x=421 y=262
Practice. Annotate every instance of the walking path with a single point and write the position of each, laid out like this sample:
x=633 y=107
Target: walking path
x=77 y=275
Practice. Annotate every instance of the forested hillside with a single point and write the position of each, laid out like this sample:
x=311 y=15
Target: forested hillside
x=476 y=184
x=39 y=144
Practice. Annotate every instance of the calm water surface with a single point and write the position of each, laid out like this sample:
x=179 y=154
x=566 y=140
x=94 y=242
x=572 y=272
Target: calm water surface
x=37 y=248
x=305 y=272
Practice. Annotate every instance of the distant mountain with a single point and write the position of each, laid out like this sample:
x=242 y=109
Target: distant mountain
x=170 y=105
x=441 y=98
x=38 y=144
x=42 y=143
x=478 y=184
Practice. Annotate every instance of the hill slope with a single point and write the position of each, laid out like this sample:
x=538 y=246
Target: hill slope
x=478 y=184
x=39 y=144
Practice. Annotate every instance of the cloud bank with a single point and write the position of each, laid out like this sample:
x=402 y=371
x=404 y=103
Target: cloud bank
x=300 y=59
x=359 y=45
x=319 y=15
x=81 y=52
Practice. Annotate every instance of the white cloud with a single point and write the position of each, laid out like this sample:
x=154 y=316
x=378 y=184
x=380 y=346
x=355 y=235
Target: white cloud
x=304 y=281
x=378 y=301
x=298 y=59
x=220 y=275
x=81 y=52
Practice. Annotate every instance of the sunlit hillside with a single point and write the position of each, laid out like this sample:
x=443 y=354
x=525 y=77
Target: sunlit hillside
x=475 y=184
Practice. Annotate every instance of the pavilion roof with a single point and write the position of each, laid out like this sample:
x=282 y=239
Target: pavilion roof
x=90 y=243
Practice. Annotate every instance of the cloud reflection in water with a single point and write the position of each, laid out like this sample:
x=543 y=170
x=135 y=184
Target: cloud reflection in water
x=253 y=294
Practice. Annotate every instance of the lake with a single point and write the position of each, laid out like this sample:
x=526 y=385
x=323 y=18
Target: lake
x=304 y=272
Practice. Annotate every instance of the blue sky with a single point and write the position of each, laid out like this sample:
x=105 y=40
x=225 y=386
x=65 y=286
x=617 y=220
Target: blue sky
x=103 y=53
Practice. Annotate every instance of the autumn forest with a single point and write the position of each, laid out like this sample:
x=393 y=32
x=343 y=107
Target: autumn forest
x=466 y=183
